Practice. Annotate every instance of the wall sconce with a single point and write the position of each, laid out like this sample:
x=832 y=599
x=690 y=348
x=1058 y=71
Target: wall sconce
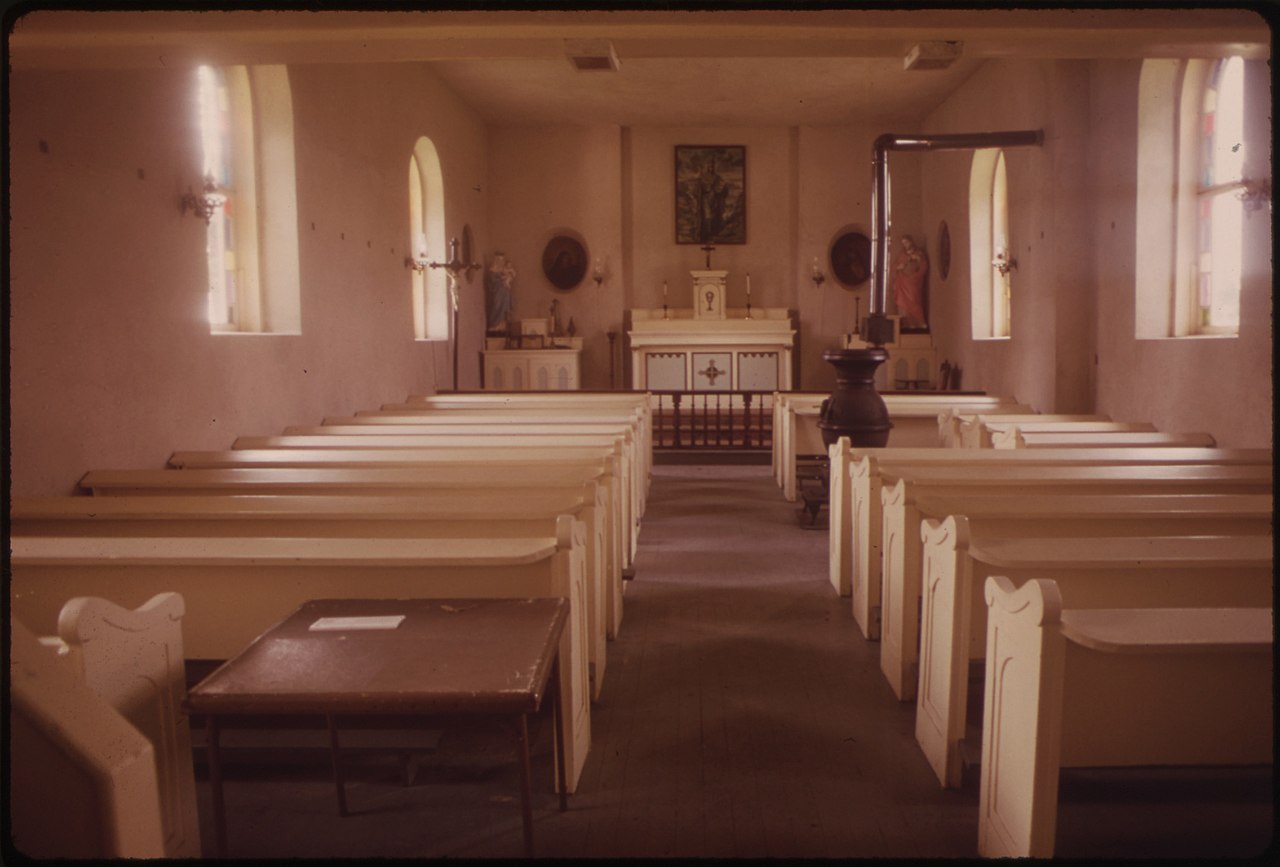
x=597 y=274
x=455 y=265
x=1004 y=263
x=418 y=263
x=205 y=204
x=816 y=274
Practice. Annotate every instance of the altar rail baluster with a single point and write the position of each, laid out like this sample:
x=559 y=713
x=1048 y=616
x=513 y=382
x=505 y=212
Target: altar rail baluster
x=728 y=420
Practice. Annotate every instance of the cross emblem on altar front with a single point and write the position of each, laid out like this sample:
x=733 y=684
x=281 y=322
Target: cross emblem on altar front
x=712 y=372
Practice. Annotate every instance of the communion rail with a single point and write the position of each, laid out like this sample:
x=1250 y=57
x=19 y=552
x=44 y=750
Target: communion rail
x=740 y=420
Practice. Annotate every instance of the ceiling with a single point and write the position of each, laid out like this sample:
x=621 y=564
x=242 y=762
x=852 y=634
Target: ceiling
x=732 y=68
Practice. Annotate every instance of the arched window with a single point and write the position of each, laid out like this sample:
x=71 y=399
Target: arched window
x=1219 y=209
x=989 y=256
x=246 y=136
x=1191 y=160
x=426 y=230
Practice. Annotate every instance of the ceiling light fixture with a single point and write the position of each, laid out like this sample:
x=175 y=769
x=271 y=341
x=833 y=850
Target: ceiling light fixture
x=932 y=55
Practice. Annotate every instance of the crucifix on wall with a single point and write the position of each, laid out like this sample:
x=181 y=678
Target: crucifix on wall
x=707 y=248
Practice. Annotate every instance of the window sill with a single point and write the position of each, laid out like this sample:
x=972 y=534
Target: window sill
x=232 y=332
x=992 y=339
x=1189 y=337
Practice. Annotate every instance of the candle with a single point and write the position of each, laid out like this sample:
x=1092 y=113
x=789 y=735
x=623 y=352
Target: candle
x=664 y=291
x=748 y=287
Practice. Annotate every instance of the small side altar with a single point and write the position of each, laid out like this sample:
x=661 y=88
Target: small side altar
x=913 y=360
x=681 y=350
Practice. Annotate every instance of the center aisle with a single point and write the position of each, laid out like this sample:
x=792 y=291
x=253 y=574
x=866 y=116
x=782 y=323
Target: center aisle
x=743 y=714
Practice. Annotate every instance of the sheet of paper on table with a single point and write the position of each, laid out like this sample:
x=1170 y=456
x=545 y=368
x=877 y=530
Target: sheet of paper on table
x=331 y=624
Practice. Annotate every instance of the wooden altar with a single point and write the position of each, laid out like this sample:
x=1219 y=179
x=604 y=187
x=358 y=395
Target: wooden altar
x=686 y=353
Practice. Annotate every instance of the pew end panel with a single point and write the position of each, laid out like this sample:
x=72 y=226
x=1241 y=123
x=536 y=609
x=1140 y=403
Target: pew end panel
x=70 y=748
x=1110 y=688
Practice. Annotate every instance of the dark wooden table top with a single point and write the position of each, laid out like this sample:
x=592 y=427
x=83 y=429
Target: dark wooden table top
x=445 y=656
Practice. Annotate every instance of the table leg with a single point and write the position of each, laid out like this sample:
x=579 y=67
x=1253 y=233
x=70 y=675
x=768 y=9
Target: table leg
x=215 y=787
x=526 y=789
x=562 y=779
x=337 y=765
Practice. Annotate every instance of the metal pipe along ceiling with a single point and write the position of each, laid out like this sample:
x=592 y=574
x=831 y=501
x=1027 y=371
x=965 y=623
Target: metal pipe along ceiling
x=880 y=188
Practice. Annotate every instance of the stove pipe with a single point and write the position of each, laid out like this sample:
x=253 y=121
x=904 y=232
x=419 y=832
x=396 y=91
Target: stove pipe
x=855 y=409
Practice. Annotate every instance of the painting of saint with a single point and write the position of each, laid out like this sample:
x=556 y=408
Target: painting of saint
x=711 y=194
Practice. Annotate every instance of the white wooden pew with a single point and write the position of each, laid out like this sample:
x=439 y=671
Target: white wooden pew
x=633 y=420
x=795 y=417
x=980 y=434
x=643 y=457
x=914 y=418
x=1017 y=438
x=451 y=514
x=100 y=747
x=237 y=587
x=1029 y=514
x=616 y=470
x=636 y=486
x=637 y=402
x=1067 y=687
x=445 y=479
x=856 y=523
x=961 y=429
x=1118 y=572
x=949 y=420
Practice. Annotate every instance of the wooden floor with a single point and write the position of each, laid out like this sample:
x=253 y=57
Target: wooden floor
x=742 y=716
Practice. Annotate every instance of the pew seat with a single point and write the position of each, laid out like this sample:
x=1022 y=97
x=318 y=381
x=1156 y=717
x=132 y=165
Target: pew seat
x=1020 y=438
x=856 y=501
x=1067 y=687
x=1021 y=516
x=1117 y=572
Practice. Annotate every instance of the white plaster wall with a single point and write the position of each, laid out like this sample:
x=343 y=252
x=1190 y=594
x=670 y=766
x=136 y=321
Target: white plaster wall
x=564 y=180
x=1219 y=385
x=112 y=362
x=1046 y=360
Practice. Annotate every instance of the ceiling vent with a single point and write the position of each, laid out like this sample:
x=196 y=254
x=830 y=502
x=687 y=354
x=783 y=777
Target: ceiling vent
x=591 y=55
x=932 y=55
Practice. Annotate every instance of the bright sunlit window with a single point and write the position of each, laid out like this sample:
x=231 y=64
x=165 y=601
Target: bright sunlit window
x=989 y=250
x=251 y=244
x=1192 y=154
x=1219 y=209
x=426 y=229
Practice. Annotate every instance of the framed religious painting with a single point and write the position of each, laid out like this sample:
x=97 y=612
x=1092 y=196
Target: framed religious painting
x=711 y=194
x=564 y=262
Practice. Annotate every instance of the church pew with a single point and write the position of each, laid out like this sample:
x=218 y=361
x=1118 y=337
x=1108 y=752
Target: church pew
x=949 y=420
x=1028 y=514
x=379 y=481
x=638 y=402
x=914 y=418
x=1017 y=438
x=856 y=508
x=636 y=421
x=132 y=659
x=452 y=514
x=469 y=457
x=979 y=433
x=117 y=685
x=1067 y=687
x=1091 y=572
x=237 y=587
x=424 y=418
x=963 y=429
